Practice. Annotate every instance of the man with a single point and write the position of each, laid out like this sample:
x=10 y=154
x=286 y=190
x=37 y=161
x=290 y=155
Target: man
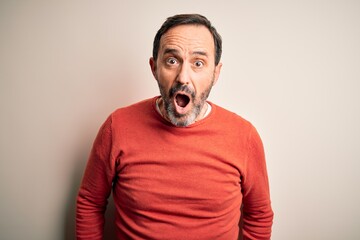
x=179 y=167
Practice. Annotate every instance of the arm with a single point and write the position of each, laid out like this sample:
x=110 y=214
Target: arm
x=95 y=187
x=257 y=212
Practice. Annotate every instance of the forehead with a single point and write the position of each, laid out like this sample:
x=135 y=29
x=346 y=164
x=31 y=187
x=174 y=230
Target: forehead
x=188 y=38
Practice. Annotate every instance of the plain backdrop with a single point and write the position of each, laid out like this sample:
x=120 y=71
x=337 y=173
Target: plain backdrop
x=290 y=67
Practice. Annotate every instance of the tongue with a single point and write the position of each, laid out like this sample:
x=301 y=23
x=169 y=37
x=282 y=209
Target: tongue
x=182 y=100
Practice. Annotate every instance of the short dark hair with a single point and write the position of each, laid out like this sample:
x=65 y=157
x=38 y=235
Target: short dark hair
x=184 y=19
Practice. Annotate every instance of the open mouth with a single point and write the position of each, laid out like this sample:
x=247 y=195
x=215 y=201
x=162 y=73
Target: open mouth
x=182 y=100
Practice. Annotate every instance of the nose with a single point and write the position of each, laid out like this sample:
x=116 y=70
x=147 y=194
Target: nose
x=184 y=74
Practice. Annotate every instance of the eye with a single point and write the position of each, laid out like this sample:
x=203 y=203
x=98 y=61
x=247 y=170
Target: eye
x=199 y=64
x=171 y=61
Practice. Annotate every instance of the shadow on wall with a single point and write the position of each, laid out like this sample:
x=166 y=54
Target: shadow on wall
x=80 y=158
x=70 y=210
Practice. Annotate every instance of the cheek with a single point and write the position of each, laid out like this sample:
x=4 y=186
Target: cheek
x=165 y=76
x=203 y=81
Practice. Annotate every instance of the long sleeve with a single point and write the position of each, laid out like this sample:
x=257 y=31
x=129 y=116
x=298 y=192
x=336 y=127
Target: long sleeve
x=95 y=187
x=257 y=211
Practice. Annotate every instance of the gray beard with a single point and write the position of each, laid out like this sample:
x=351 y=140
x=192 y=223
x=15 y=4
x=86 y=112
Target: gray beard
x=183 y=120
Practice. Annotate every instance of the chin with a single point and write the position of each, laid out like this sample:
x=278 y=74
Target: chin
x=182 y=121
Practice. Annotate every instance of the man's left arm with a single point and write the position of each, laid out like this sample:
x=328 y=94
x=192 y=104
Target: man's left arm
x=257 y=211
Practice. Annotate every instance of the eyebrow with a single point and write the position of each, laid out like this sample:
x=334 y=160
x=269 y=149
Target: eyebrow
x=202 y=53
x=176 y=52
x=171 y=50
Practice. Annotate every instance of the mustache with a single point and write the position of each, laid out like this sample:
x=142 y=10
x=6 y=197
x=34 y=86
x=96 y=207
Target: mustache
x=181 y=88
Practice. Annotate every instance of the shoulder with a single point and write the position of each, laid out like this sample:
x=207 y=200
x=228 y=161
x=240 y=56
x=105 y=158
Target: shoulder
x=235 y=124
x=230 y=118
x=134 y=114
x=134 y=108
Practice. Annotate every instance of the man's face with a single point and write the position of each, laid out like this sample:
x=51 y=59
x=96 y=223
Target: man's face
x=185 y=71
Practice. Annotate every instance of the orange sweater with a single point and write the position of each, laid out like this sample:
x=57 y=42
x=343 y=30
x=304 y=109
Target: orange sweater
x=176 y=183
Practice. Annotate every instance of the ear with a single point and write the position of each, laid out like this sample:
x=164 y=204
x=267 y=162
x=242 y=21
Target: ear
x=152 y=63
x=217 y=72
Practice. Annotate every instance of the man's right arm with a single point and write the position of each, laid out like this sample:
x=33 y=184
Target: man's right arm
x=95 y=187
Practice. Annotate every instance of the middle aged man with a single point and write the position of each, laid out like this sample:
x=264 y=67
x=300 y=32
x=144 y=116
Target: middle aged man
x=180 y=167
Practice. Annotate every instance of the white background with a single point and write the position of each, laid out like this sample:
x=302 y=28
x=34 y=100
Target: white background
x=290 y=67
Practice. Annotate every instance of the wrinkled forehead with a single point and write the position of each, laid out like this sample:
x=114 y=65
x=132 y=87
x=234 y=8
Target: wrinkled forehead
x=188 y=38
